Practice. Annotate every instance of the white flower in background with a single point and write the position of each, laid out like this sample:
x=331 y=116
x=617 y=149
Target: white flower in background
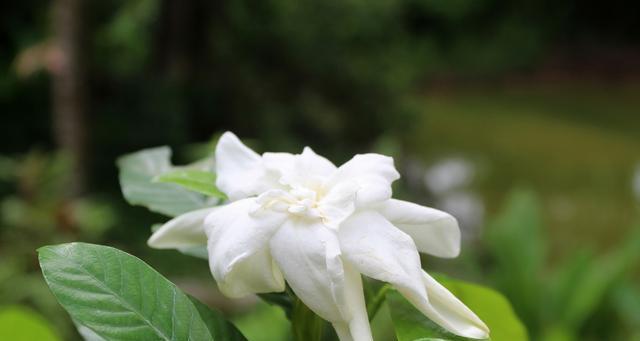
x=301 y=219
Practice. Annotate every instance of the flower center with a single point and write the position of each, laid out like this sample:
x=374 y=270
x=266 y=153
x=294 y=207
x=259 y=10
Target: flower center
x=298 y=201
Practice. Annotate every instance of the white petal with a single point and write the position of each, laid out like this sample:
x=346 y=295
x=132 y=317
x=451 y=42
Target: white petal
x=239 y=170
x=374 y=173
x=279 y=163
x=448 y=311
x=309 y=255
x=379 y=250
x=357 y=328
x=312 y=163
x=307 y=169
x=339 y=203
x=185 y=230
x=434 y=232
x=238 y=248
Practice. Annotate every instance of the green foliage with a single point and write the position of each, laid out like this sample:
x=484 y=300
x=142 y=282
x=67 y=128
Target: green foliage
x=215 y=322
x=591 y=280
x=18 y=323
x=306 y=325
x=7 y=168
x=137 y=173
x=376 y=300
x=518 y=247
x=411 y=325
x=130 y=29
x=88 y=334
x=492 y=308
x=200 y=181
x=626 y=299
x=264 y=323
x=489 y=305
x=284 y=300
x=147 y=178
x=35 y=210
x=561 y=306
x=118 y=296
x=39 y=204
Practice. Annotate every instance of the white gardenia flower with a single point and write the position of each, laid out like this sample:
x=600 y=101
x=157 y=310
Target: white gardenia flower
x=301 y=219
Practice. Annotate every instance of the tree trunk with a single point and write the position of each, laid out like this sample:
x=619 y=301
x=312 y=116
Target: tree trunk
x=68 y=90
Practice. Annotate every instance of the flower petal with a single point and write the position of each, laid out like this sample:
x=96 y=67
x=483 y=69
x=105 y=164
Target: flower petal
x=381 y=251
x=239 y=170
x=374 y=173
x=434 y=232
x=339 y=203
x=310 y=162
x=279 y=163
x=307 y=169
x=185 y=230
x=309 y=255
x=358 y=327
x=238 y=248
x=448 y=311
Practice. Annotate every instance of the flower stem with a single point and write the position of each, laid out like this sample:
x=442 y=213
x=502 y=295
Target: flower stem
x=305 y=324
x=376 y=301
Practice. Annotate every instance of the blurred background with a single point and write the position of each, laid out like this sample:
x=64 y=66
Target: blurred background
x=521 y=118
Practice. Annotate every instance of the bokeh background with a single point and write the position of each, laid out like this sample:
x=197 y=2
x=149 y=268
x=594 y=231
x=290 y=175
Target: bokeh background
x=521 y=118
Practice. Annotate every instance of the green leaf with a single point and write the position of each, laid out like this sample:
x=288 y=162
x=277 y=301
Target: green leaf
x=118 y=296
x=411 y=325
x=193 y=179
x=594 y=279
x=137 y=172
x=282 y=299
x=219 y=328
x=626 y=300
x=264 y=322
x=18 y=323
x=307 y=326
x=491 y=306
x=518 y=247
x=86 y=333
x=488 y=304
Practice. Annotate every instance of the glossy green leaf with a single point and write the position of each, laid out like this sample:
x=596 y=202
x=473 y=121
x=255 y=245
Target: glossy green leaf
x=411 y=325
x=491 y=306
x=137 y=172
x=488 y=304
x=86 y=333
x=19 y=323
x=200 y=181
x=118 y=296
x=219 y=328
